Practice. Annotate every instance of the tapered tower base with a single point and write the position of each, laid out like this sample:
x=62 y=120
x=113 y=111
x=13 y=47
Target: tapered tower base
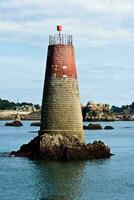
x=61 y=113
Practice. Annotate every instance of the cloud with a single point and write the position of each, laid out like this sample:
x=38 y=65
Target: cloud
x=101 y=22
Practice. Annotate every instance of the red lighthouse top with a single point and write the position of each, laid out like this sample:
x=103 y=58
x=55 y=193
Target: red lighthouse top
x=59 y=28
x=62 y=39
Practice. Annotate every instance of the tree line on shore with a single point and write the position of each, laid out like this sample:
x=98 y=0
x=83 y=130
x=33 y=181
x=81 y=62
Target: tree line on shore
x=125 y=109
x=10 y=105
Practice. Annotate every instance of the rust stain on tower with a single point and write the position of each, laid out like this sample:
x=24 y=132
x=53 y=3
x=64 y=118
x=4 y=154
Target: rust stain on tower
x=61 y=109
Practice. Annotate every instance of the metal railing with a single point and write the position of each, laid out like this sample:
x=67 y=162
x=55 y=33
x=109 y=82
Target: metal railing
x=60 y=39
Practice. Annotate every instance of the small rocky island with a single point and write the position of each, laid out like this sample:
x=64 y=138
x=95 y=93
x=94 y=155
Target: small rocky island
x=92 y=127
x=17 y=122
x=61 y=148
x=96 y=127
x=35 y=124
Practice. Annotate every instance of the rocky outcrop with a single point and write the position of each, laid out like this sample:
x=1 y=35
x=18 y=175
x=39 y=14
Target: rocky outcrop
x=62 y=148
x=108 y=127
x=128 y=117
x=35 y=124
x=93 y=127
x=109 y=118
x=14 y=123
x=36 y=115
x=97 y=112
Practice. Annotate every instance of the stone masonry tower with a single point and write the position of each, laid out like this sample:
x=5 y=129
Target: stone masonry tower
x=61 y=109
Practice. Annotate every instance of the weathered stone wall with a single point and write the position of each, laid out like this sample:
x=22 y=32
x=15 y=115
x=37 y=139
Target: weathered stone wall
x=61 y=110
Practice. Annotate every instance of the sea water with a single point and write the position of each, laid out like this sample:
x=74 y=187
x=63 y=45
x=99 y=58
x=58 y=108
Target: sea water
x=104 y=179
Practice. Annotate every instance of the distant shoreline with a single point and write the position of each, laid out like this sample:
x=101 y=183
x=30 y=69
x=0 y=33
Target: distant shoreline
x=92 y=111
x=8 y=115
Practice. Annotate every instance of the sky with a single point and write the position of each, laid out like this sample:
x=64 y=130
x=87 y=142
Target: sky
x=103 y=32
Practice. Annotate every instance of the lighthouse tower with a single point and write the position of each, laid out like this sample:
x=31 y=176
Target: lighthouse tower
x=61 y=108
